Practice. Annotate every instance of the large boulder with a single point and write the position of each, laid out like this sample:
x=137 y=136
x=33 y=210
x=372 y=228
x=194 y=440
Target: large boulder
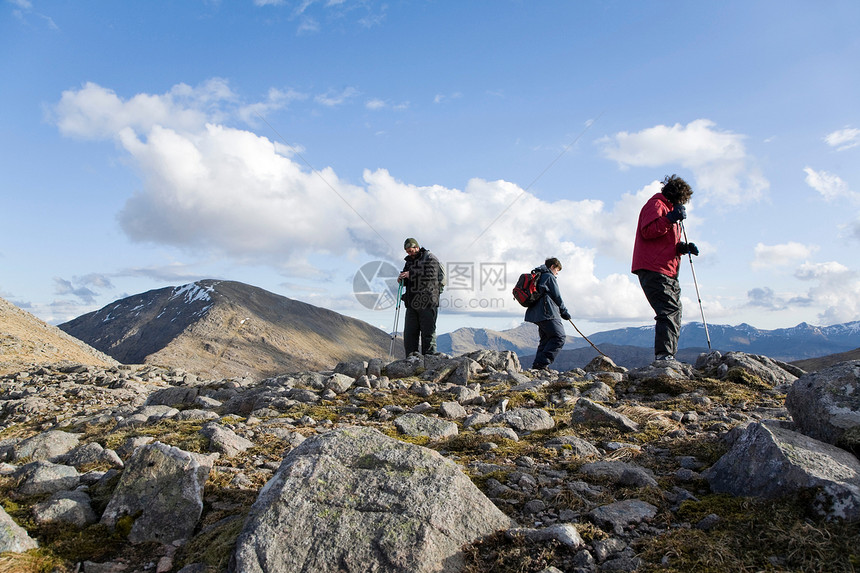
x=769 y=462
x=356 y=500
x=826 y=404
x=13 y=537
x=161 y=490
x=769 y=371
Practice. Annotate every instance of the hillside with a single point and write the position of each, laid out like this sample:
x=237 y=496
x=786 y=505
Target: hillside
x=813 y=364
x=25 y=340
x=523 y=340
x=226 y=329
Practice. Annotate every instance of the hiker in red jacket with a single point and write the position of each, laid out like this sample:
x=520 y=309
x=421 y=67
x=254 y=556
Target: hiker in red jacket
x=656 y=260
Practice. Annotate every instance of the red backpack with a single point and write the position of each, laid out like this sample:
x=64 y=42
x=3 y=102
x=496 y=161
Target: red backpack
x=526 y=291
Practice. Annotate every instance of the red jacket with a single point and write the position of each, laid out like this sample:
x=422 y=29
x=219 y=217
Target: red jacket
x=657 y=239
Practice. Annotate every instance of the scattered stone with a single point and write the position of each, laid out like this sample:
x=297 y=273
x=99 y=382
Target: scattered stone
x=587 y=412
x=418 y=425
x=616 y=516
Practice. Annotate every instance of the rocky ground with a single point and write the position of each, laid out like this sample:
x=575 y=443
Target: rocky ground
x=601 y=470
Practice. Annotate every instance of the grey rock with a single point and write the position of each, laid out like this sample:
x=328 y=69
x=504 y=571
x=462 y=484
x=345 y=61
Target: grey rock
x=224 y=440
x=826 y=404
x=452 y=410
x=674 y=370
x=605 y=548
x=196 y=414
x=615 y=516
x=477 y=419
x=599 y=392
x=623 y=473
x=418 y=425
x=577 y=446
x=72 y=507
x=465 y=395
x=91 y=453
x=351 y=369
x=503 y=432
x=353 y=499
x=13 y=537
x=339 y=383
x=45 y=446
x=162 y=486
x=375 y=367
x=587 y=412
x=172 y=396
x=404 y=368
x=770 y=371
x=769 y=462
x=501 y=360
x=526 y=419
x=603 y=364
x=207 y=402
x=564 y=533
x=45 y=477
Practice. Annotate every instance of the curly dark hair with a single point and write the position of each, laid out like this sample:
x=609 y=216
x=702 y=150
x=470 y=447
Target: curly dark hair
x=676 y=190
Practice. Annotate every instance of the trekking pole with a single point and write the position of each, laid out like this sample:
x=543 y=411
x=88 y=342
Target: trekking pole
x=696 y=284
x=396 y=318
x=586 y=339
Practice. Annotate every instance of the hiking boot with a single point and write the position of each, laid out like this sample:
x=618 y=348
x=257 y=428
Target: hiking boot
x=664 y=358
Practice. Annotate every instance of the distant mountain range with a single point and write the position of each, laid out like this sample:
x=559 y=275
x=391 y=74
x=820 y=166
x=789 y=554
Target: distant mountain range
x=225 y=329
x=633 y=347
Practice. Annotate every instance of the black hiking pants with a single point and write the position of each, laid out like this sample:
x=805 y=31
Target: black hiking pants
x=552 y=338
x=664 y=296
x=420 y=323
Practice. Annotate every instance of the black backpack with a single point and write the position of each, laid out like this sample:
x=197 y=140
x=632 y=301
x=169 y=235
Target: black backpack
x=526 y=291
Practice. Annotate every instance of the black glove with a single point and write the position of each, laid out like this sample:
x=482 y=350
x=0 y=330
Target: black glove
x=684 y=248
x=679 y=213
x=565 y=316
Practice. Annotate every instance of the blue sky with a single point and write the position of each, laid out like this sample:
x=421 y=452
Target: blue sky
x=287 y=144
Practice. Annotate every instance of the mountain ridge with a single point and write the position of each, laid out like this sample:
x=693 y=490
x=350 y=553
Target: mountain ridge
x=800 y=342
x=226 y=328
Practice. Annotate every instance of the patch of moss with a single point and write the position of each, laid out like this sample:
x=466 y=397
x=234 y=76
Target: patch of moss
x=184 y=435
x=213 y=545
x=753 y=535
x=499 y=554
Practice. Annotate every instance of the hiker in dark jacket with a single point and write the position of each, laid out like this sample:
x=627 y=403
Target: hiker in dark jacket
x=547 y=313
x=424 y=279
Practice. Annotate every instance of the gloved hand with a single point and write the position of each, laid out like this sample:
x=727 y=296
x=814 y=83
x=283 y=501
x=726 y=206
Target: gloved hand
x=684 y=248
x=565 y=316
x=679 y=213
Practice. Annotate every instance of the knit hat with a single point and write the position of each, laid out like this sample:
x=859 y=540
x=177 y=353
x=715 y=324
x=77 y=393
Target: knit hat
x=410 y=242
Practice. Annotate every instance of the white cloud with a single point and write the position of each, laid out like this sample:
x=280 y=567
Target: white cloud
x=332 y=98
x=837 y=291
x=831 y=187
x=777 y=255
x=843 y=139
x=723 y=171
x=94 y=112
x=227 y=192
x=275 y=99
